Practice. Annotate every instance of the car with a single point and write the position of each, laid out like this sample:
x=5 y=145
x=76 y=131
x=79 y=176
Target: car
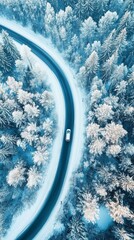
x=68 y=135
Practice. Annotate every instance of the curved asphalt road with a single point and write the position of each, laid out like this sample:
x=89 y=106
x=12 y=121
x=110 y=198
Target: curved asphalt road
x=30 y=232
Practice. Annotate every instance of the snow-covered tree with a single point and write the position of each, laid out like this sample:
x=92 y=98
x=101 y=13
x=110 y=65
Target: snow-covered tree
x=26 y=56
x=89 y=69
x=119 y=74
x=13 y=84
x=121 y=41
x=114 y=132
x=5 y=113
x=118 y=212
x=101 y=191
x=88 y=30
x=22 y=144
x=65 y=21
x=77 y=230
x=16 y=176
x=47 y=100
x=109 y=65
x=114 y=150
x=8 y=139
x=24 y=96
x=104 y=112
x=93 y=130
x=49 y=19
x=127 y=183
x=95 y=96
x=32 y=127
x=5 y=152
x=5 y=63
x=38 y=158
x=107 y=47
x=105 y=174
x=107 y=22
x=97 y=147
x=121 y=88
x=18 y=117
x=91 y=63
x=9 y=47
x=90 y=208
x=80 y=8
x=47 y=126
x=29 y=137
x=121 y=234
x=125 y=20
x=34 y=178
x=31 y=110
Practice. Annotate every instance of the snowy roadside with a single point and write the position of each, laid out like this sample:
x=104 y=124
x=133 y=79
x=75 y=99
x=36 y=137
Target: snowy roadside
x=78 y=140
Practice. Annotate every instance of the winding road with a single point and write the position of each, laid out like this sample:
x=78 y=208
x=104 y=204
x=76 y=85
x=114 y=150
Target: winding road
x=31 y=231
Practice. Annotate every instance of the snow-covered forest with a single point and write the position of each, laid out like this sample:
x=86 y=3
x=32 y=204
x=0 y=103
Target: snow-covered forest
x=97 y=39
x=27 y=120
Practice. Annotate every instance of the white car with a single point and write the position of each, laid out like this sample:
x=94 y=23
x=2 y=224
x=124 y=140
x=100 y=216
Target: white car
x=68 y=135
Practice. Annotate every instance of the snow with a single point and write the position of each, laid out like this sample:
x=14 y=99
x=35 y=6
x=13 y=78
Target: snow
x=78 y=140
x=104 y=220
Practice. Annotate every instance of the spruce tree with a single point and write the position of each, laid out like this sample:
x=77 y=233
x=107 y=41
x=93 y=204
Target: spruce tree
x=9 y=47
x=5 y=62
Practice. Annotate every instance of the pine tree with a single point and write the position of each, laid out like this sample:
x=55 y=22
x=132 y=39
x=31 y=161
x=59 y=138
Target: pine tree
x=88 y=31
x=77 y=229
x=107 y=23
x=79 y=8
x=108 y=46
x=5 y=62
x=121 y=41
x=109 y=66
x=92 y=63
x=9 y=47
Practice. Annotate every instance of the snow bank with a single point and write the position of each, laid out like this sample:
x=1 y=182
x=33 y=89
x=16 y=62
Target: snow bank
x=78 y=140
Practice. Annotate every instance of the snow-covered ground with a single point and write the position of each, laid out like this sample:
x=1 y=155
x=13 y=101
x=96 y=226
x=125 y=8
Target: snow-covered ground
x=78 y=139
